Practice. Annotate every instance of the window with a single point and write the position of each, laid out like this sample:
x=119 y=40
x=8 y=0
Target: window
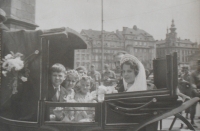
x=135 y=50
x=88 y=57
x=77 y=64
x=96 y=57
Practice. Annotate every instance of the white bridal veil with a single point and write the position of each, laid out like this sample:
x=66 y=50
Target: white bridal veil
x=140 y=80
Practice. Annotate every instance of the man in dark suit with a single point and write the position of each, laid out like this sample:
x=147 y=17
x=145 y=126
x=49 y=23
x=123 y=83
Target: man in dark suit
x=56 y=92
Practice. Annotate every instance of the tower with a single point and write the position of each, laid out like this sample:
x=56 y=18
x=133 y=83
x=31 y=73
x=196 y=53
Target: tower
x=172 y=35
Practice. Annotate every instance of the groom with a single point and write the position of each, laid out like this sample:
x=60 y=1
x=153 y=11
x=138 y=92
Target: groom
x=120 y=82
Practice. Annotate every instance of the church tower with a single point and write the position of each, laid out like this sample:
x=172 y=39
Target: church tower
x=172 y=35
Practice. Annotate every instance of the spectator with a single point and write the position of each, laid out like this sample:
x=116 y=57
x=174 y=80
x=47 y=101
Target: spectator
x=117 y=57
x=186 y=74
x=108 y=76
x=96 y=76
x=82 y=71
x=195 y=83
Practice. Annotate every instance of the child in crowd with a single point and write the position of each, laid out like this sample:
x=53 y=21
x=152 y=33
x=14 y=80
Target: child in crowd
x=71 y=78
x=84 y=114
x=83 y=90
x=82 y=71
x=56 y=92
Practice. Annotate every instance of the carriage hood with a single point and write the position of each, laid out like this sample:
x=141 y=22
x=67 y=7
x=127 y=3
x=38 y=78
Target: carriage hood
x=28 y=42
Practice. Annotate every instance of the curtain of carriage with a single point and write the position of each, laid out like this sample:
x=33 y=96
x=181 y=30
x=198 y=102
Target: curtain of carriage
x=22 y=105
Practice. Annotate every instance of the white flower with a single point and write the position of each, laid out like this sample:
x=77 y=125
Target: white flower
x=9 y=56
x=18 y=63
x=24 y=79
x=10 y=64
x=4 y=73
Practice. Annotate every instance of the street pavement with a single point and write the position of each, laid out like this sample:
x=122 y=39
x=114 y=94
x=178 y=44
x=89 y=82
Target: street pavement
x=167 y=122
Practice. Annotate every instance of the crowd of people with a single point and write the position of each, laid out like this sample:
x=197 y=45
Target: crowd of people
x=82 y=86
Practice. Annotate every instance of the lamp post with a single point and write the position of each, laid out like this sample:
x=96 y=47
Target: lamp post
x=102 y=38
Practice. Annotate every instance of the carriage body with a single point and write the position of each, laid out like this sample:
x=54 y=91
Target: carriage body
x=29 y=110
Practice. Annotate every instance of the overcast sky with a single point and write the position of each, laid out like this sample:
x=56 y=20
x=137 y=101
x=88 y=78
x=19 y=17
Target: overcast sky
x=153 y=16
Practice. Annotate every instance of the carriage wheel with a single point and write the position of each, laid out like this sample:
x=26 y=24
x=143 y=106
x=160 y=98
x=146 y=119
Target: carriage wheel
x=189 y=125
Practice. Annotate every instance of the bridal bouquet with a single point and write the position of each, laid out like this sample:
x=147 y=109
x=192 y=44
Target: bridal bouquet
x=14 y=67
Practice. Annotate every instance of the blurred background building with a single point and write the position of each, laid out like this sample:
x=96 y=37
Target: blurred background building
x=133 y=40
x=184 y=47
x=140 y=44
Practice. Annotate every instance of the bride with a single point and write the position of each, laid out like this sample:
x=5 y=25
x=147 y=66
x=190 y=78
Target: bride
x=133 y=74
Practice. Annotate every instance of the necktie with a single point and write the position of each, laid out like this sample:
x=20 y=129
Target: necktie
x=57 y=94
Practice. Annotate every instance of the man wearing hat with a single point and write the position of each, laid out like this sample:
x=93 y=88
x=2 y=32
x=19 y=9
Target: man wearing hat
x=95 y=75
x=186 y=74
x=2 y=19
x=108 y=76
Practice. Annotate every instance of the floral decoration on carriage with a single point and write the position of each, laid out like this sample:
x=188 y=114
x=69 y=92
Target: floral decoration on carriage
x=15 y=67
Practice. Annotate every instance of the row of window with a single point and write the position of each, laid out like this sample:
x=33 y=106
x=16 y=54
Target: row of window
x=182 y=54
x=143 y=50
x=140 y=43
x=83 y=56
x=186 y=52
x=98 y=57
x=106 y=44
x=179 y=45
x=138 y=38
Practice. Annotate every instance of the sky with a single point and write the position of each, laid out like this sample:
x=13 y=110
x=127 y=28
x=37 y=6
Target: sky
x=153 y=16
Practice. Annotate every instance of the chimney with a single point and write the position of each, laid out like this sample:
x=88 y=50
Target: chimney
x=124 y=28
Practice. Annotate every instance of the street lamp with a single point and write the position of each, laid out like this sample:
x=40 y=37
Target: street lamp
x=102 y=39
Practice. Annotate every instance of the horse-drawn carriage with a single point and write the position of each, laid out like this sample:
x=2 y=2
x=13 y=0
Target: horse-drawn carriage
x=23 y=102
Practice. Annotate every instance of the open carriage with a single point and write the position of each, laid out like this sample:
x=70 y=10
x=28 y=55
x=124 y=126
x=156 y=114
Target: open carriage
x=27 y=108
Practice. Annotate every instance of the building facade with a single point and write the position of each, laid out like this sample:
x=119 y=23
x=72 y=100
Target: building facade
x=133 y=40
x=172 y=43
x=20 y=14
x=194 y=58
x=93 y=55
x=140 y=44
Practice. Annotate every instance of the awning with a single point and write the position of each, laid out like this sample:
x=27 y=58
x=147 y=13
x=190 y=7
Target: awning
x=66 y=36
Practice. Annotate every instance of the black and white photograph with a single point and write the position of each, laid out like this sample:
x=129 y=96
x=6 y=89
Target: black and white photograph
x=100 y=65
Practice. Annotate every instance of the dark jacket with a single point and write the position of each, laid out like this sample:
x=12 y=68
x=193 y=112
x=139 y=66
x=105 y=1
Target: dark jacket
x=52 y=94
x=120 y=86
